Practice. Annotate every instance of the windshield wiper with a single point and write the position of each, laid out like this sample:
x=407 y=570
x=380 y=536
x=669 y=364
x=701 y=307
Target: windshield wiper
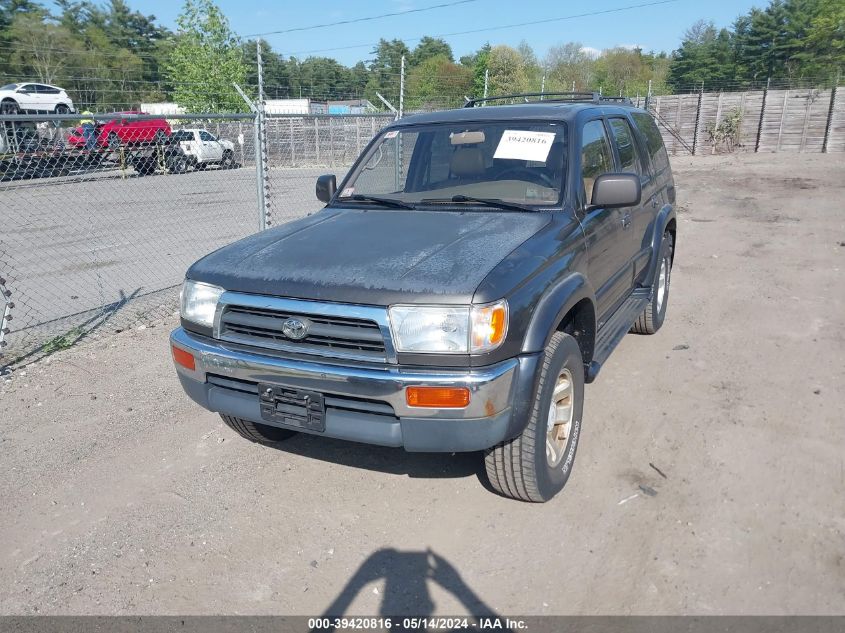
x=388 y=202
x=493 y=202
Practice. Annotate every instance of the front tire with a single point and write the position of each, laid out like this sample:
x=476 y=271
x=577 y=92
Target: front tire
x=655 y=312
x=259 y=433
x=536 y=465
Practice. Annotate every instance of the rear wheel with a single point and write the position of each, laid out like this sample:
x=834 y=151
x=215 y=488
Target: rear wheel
x=62 y=109
x=228 y=161
x=536 y=465
x=177 y=164
x=260 y=433
x=655 y=312
x=9 y=106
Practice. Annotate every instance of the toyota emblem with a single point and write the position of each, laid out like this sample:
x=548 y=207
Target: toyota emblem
x=296 y=329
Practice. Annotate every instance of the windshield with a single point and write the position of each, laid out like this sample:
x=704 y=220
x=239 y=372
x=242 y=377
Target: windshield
x=517 y=162
x=9 y=87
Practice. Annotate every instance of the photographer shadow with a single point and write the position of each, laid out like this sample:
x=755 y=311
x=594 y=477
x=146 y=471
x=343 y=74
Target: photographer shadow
x=406 y=577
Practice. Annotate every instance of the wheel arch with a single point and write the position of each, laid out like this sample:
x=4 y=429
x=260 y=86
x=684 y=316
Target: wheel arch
x=665 y=221
x=568 y=306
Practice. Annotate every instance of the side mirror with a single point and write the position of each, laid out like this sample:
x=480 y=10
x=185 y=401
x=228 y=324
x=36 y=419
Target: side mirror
x=326 y=186
x=616 y=190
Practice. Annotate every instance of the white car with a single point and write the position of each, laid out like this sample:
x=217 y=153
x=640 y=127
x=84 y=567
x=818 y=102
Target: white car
x=32 y=97
x=203 y=148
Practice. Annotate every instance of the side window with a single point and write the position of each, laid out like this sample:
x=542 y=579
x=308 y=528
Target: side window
x=654 y=142
x=629 y=156
x=205 y=136
x=596 y=158
x=46 y=90
x=28 y=88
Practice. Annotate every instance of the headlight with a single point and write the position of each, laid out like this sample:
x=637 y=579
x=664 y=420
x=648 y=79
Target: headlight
x=449 y=329
x=199 y=301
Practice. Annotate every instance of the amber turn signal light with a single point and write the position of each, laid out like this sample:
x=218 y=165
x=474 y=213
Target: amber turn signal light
x=437 y=397
x=183 y=358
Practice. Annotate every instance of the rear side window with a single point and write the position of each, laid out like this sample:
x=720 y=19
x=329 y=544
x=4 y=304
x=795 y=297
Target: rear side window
x=205 y=136
x=629 y=156
x=654 y=142
x=46 y=90
x=596 y=158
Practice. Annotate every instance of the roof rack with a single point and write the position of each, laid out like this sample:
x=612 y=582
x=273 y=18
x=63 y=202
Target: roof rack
x=553 y=97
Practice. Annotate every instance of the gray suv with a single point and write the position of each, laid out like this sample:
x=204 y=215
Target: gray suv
x=473 y=270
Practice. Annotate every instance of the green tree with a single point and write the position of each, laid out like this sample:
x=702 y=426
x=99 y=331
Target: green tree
x=568 y=64
x=385 y=69
x=437 y=82
x=429 y=47
x=508 y=73
x=206 y=61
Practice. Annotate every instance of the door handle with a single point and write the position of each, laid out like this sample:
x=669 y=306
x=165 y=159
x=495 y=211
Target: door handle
x=654 y=202
x=626 y=220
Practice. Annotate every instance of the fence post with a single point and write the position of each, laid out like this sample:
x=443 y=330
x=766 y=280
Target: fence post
x=402 y=88
x=357 y=135
x=829 y=125
x=782 y=118
x=292 y=145
x=317 y=140
x=261 y=144
x=697 y=121
x=762 y=115
x=718 y=117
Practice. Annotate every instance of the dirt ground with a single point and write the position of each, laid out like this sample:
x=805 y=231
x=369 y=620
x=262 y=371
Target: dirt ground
x=121 y=496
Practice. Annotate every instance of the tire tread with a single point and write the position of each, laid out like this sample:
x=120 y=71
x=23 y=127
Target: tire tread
x=510 y=465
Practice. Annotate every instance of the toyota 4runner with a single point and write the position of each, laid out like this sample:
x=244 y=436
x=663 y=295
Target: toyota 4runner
x=474 y=269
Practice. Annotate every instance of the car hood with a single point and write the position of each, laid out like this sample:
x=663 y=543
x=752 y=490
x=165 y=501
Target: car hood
x=371 y=256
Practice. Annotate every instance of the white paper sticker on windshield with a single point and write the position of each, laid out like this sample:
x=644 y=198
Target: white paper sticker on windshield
x=522 y=145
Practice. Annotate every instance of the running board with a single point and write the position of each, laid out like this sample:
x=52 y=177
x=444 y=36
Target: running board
x=615 y=328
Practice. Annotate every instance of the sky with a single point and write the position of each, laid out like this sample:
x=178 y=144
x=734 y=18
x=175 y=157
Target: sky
x=657 y=27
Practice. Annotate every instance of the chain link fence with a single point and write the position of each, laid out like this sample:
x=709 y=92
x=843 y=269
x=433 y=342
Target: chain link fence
x=300 y=148
x=102 y=215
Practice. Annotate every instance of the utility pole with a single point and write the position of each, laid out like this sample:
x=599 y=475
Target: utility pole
x=402 y=88
x=573 y=85
x=542 y=86
x=486 y=80
x=648 y=96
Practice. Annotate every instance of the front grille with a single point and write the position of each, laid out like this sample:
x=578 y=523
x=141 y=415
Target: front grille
x=340 y=337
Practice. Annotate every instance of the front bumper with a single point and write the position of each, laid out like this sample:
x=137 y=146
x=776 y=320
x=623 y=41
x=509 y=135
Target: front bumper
x=366 y=403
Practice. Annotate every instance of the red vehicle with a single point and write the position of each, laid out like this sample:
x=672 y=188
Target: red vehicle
x=124 y=130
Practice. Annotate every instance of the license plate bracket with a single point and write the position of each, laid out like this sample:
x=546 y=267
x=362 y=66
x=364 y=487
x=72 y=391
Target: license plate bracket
x=292 y=407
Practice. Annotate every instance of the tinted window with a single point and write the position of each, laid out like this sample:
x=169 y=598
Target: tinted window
x=181 y=135
x=46 y=90
x=629 y=156
x=654 y=142
x=205 y=136
x=9 y=87
x=28 y=88
x=596 y=158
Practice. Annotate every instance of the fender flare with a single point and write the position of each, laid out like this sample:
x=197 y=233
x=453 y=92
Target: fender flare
x=552 y=307
x=664 y=217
